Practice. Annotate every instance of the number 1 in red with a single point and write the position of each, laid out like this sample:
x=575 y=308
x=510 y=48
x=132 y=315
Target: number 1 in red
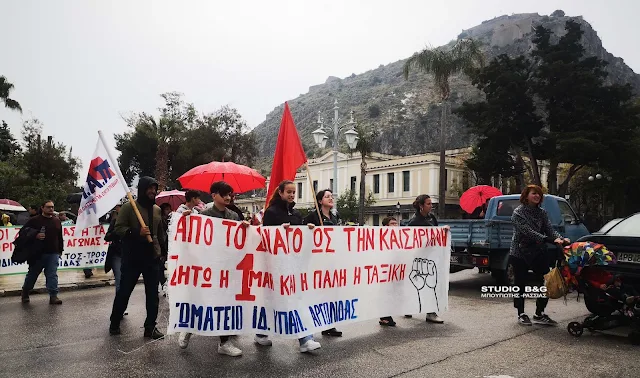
x=246 y=266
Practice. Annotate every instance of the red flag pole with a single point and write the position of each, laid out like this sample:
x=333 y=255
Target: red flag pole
x=289 y=154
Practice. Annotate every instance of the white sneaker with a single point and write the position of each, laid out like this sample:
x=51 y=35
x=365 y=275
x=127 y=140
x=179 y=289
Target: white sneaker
x=229 y=349
x=183 y=339
x=264 y=341
x=235 y=340
x=434 y=318
x=309 y=346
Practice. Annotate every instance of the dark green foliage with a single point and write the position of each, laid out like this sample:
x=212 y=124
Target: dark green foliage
x=347 y=205
x=5 y=91
x=41 y=170
x=506 y=123
x=586 y=119
x=191 y=139
x=556 y=108
x=374 y=111
x=8 y=144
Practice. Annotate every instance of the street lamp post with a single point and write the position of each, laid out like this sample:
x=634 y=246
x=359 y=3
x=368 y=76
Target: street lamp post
x=598 y=177
x=320 y=137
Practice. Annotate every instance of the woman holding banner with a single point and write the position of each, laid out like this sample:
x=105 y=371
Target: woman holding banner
x=424 y=218
x=325 y=204
x=281 y=212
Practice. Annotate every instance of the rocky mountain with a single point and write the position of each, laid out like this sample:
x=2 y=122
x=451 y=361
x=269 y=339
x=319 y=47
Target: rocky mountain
x=407 y=111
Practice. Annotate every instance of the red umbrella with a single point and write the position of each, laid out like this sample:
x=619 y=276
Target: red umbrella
x=241 y=178
x=477 y=196
x=175 y=198
x=10 y=205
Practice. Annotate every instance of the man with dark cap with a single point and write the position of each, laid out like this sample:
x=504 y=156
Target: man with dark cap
x=139 y=256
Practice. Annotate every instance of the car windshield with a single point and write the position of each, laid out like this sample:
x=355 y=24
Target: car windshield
x=506 y=207
x=628 y=227
x=609 y=224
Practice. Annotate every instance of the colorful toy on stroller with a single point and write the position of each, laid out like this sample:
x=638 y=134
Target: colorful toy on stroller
x=611 y=303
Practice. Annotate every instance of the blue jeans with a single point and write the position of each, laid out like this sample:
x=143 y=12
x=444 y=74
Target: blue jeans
x=301 y=341
x=116 y=266
x=48 y=262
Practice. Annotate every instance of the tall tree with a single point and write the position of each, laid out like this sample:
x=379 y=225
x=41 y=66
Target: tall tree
x=507 y=119
x=489 y=158
x=175 y=117
x=347 y=205
x=137 y=153
x=442 y=63
x=47 y=159
x=42 y=170
x=364 y=146
x=219 y=136
x=8 y=144
x=572 y=89
x=181 y=139
x=5 y=91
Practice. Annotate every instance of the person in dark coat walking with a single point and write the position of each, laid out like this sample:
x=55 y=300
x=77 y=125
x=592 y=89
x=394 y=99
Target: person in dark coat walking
x=325 y=204
x=281 y=212
x=50 y=234
x=424 y=218
x=139 y=256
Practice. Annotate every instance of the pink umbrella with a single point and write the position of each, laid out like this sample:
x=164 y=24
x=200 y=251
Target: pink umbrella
x=10 y=205
x=175 y=198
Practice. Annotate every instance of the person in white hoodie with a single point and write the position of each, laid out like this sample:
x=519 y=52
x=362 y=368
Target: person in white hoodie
x=193 y=199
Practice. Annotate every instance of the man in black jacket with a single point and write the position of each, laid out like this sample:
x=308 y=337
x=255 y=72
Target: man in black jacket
x=139 y=256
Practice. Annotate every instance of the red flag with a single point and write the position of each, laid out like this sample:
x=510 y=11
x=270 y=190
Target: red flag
x=289 y=155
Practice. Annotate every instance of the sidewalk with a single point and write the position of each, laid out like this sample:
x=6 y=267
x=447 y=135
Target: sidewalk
x=67 y=280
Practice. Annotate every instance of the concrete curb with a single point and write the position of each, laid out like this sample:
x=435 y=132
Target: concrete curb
x=62 y=288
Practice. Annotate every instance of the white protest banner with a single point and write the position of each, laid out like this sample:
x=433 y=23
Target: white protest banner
x=103 y=188
x=226 y=279
x=82 y=249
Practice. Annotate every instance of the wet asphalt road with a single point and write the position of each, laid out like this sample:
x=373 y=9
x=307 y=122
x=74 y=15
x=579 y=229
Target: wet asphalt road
x=479 y=339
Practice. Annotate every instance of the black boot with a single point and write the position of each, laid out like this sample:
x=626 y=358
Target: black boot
x=153 y=333
x=114 y=329
x=25 y=296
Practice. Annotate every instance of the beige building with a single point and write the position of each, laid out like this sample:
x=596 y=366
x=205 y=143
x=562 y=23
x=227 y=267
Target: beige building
x=391 y=179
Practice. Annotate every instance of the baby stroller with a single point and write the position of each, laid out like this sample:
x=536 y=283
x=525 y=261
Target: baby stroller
x=604 y=294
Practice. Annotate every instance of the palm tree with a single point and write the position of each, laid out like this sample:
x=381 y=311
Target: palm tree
x=364 y=146
x=464 y=57
x=5 y=88
x=168 y=130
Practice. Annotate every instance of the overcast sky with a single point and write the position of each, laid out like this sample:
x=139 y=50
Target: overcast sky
x=78 y=66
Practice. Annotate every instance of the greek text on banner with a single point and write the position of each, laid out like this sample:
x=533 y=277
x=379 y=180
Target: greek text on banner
x=228 y=279
x=82 y=249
